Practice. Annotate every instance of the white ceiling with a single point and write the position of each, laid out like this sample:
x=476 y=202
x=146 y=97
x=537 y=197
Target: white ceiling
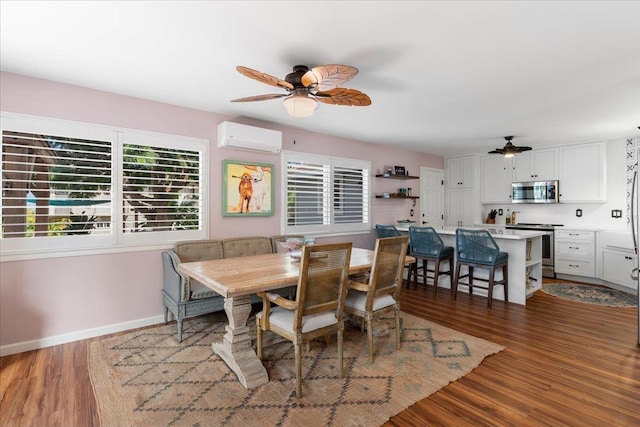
x=444 y=77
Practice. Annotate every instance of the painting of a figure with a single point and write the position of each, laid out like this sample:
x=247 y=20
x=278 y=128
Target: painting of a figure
x=247 y=189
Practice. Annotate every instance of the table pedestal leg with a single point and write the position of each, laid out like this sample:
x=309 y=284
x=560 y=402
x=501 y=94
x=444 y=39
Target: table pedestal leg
x=235 y=348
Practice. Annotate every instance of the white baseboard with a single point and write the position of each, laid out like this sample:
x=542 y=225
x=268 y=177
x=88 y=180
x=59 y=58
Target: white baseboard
x=79 y=335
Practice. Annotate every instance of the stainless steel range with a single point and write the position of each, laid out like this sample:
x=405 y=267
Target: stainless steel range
x=547 y=244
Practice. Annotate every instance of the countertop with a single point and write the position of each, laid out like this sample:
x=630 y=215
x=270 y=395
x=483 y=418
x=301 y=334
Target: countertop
x=496 y=232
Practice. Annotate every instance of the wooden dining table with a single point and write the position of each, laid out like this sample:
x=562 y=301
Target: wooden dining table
x=236 y=279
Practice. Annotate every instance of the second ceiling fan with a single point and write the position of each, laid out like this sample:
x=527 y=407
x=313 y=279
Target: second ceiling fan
x=509 y=150
x=306 y=87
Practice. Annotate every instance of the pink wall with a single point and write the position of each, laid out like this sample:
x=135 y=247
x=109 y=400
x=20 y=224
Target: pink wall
x=49 y=297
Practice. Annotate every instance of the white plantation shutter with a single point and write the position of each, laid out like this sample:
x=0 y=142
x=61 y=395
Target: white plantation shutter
x=325 y=194
x=161 y=189
x=69 y=186
x=54 y=185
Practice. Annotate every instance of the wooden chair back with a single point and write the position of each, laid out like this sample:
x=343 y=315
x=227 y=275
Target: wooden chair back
x=387 y=269
x=323 y=280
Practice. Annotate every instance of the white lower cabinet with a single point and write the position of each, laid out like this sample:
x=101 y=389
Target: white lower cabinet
x=575 y=252
x=616 y=266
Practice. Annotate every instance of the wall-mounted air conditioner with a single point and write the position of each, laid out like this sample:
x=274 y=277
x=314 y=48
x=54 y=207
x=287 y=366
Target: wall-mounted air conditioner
x=244 y=137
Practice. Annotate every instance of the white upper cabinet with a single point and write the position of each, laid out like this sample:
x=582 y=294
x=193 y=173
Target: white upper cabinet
x=582 y=170
x=497 y=171
x=536 y=165
x=459 y=172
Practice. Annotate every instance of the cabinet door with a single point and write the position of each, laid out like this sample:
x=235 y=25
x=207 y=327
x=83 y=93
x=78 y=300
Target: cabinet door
x=616 y=266
x=460 y=207
x=453 y=171
x=536 y=165
x=582 y=173
x=454 y=206
x=523 y=167
x=545 y=164
x=467 y=171
x=459 y=172
x=466 y=206
x=496 y=179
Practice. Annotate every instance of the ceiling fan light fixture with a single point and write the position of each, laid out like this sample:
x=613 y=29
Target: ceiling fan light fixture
x=300 y=105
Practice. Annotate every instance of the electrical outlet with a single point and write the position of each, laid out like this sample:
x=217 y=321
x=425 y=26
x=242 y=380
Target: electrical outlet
x=616 y=213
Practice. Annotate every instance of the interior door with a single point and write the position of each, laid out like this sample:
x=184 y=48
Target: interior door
x=431 y=197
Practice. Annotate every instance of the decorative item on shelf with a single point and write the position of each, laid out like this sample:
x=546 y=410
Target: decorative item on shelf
x=385 y=195
x=402 y=191
x=409 y=191
x=399 y=170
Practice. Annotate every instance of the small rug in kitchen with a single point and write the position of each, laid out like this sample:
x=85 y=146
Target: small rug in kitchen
x=591 y=294
x=147 y=378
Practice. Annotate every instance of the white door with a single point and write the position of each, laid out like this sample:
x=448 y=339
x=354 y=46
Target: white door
x=431 y=198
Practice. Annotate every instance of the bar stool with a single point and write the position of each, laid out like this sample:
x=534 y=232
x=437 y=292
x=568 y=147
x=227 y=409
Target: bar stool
x=387 y=231
x=425 y=244
x=477 y=249
x=384 y=230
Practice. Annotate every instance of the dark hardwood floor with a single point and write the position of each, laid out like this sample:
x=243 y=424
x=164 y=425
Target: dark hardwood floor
x=566 y=363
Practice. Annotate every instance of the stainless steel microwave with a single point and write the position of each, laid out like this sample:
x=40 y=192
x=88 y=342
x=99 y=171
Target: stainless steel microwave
x=535 y=192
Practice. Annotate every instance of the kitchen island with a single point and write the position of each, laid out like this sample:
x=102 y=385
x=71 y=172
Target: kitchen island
x=525 y=260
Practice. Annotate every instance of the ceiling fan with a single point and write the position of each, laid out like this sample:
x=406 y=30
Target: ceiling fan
x=509 y=149
x=306 y=87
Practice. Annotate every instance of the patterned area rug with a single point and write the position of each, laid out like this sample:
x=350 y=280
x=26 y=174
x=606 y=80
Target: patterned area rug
x=590 y=294
x=147 y=378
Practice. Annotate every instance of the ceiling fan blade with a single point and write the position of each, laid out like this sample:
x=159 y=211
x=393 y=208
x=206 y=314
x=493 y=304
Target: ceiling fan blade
x=326 y=77
x=497 y=151
x=342 y=96
x=521 y=149
x=260 y=97
x=264 y=78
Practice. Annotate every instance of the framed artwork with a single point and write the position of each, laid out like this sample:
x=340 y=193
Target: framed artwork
x=247 y=188
x=399 y=170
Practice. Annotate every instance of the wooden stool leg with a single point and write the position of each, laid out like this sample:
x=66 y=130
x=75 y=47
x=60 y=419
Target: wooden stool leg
x=455 y=281
x=505 y=277
x=492 y=272
x=436 y=273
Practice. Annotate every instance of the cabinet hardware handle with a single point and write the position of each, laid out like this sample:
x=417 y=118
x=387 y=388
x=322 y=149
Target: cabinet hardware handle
x=627 y=257
x=574 y=247
x=574 y=265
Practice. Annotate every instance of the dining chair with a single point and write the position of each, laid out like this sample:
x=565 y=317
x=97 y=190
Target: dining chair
x=426 y=245
x=317 y=310
x=380 y=294
x=477 y=250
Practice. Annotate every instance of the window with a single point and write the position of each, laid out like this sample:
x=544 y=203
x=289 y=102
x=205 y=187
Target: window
x=325 y=194
x=70 y=186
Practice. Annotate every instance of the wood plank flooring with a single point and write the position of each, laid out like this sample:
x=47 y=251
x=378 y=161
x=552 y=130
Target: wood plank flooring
x=566 y=363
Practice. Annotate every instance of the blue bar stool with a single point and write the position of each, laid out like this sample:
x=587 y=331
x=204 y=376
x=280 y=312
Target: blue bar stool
x=384 y=230
x=387 y=231
x=426 y=245
x=477 y=249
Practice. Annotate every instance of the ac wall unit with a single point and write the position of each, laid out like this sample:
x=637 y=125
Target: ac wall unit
x=245 y=137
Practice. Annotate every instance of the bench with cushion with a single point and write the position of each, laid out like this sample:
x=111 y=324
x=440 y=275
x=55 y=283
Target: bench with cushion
x=186 y=297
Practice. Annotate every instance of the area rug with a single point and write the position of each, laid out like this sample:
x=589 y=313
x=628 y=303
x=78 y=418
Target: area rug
x=590 y=294
x=147 y=378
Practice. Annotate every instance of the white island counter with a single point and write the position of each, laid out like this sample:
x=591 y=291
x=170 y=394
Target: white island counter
x=525 y=260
